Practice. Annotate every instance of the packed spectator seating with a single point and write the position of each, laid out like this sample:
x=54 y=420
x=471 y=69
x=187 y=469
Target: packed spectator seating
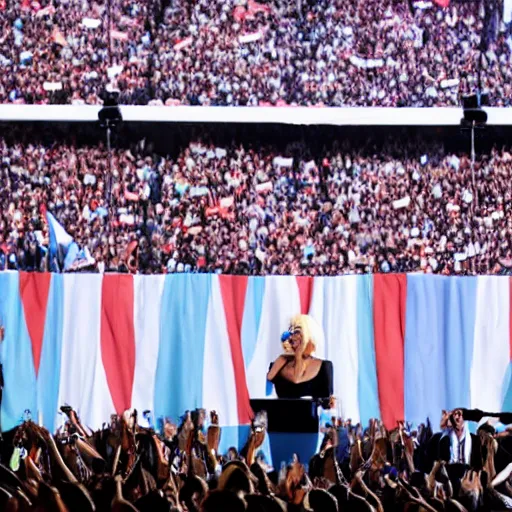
x=217 y=52
x=58 y=52
x=359 y=468
x=337 y=53
x=295 y=208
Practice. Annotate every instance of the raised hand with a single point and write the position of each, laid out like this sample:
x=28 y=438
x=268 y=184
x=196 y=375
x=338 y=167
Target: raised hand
x=470 y=484
x=491 y=446
x=431 y=478
x=445 y=420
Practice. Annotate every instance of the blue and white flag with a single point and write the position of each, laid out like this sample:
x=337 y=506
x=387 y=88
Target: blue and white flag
x=60 y=243
x=78 y=259
x=65 y=254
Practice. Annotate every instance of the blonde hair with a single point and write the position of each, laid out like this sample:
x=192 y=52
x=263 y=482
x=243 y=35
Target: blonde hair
x=310 y=332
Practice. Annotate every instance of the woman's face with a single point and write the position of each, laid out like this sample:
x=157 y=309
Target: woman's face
x=296 y=337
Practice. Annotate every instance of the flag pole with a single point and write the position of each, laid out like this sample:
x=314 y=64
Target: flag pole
x=109 y=117
x=109 y=178
x=109 y=31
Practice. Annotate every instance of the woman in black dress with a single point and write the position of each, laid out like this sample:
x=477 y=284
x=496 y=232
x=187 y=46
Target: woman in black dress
x=296 y=373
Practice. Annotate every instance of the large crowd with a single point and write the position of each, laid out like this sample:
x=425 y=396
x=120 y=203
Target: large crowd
x=59 y=51
x=125 y=467
x=410 y=206
x=245 y=52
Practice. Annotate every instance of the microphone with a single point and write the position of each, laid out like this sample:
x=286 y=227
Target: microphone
x=285 y=336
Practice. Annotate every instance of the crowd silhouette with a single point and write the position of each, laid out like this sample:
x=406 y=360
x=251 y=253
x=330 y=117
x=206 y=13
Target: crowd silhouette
x=359 y=467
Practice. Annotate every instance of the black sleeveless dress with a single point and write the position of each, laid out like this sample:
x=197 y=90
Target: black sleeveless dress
x=319 y=386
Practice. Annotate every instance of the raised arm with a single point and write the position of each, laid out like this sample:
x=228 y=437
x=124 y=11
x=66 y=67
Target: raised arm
x=276 y=367
x=503 y=476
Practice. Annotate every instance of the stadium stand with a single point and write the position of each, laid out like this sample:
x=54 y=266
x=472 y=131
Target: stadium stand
x=372 y=53
x=286 y=205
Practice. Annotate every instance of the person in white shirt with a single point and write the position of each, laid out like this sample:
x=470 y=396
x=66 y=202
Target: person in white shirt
x=456 y=444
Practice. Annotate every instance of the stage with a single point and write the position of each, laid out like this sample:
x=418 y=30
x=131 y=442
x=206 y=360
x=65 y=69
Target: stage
x=402 y=346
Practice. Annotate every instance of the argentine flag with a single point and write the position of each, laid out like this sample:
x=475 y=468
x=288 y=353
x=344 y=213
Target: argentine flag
x=60 y=242
x=64 y=251
x=77 y=259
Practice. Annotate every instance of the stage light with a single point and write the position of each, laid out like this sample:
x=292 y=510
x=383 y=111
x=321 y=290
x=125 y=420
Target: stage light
x=110 y=115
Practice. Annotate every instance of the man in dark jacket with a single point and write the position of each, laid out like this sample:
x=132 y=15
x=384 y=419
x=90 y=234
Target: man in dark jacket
x=455 y=444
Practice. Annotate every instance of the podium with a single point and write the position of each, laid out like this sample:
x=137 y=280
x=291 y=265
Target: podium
x=293 y=427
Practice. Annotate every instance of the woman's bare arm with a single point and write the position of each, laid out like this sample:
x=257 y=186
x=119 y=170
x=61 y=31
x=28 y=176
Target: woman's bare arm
x=277 y=366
